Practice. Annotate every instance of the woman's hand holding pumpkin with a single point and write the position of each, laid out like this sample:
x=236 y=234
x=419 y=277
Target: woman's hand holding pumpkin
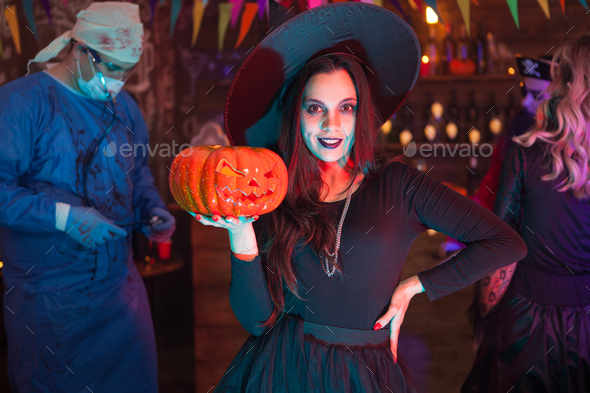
x=241 y=233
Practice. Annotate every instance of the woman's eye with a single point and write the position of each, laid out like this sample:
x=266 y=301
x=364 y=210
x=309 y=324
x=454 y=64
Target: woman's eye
x=351 y=108
x=311 y=108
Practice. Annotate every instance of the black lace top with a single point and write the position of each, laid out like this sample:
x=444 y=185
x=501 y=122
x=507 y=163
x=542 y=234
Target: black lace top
x=554 y=225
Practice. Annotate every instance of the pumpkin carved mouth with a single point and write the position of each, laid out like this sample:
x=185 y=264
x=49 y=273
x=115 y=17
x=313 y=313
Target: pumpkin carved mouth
x=240 y=196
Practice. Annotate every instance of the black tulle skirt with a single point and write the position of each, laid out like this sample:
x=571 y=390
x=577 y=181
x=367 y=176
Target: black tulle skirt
x=294 y=356
x=530 y=347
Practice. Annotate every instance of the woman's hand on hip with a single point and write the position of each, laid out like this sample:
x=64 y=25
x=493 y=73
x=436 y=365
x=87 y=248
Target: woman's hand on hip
x=400 y=300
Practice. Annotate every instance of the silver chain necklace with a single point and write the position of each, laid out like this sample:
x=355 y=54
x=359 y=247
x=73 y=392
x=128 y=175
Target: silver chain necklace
x=334 y=255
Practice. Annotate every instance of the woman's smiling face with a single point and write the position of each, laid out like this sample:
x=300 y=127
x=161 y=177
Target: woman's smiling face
x=328 y=115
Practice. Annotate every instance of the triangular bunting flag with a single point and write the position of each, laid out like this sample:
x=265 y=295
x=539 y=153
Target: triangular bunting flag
x=262 y=7
x=247 y=18
x=28 y=7
x=397 y=5
x=10 y=15
x=562 y=2
x=475 y=2
x=198 y=11
x=286 y=3
x=512 y=4
x=316 y=3
x=378 y=2
x=235 y=11
x=545 y=7
x=224 y=17
x=47 y=10
x=174 y=11
x=419 y=5
x=464 y=7
x=584 y=3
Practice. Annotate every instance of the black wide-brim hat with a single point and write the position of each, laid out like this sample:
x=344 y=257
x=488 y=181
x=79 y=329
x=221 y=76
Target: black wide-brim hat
x=384 y=43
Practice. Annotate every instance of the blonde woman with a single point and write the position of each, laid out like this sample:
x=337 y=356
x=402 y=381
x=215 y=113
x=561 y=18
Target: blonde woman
x=533 y=322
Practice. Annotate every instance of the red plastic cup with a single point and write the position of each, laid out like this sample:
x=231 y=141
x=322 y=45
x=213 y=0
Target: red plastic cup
x=165 y=249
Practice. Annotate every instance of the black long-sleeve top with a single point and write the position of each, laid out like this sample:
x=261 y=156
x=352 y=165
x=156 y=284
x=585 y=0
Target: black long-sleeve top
x=384 y=218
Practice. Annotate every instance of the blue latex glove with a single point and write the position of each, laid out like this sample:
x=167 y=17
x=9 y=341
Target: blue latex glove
x=90 y=228
x=162 y=229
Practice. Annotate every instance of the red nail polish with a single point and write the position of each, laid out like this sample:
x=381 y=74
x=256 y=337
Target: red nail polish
x=198 y=217
x=256 y=218
x=215 y=218
x=377 y=326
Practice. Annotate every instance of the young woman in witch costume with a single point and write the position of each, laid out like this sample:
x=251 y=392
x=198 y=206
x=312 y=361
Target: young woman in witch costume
x=320 y=295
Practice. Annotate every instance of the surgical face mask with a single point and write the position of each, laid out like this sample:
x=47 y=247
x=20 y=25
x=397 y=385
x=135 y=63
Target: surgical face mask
x=95 y=88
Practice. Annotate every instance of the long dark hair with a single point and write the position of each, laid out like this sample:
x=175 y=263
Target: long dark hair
x=301 y=216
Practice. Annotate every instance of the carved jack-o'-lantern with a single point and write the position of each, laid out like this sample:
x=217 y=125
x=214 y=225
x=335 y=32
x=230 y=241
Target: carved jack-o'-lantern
x=236 y=181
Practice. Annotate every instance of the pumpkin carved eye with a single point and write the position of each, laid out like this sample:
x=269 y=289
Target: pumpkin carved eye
x=273 y=173
x=225 y=168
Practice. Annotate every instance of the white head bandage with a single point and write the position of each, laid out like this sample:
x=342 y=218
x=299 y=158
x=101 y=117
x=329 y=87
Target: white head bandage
x=111 y=28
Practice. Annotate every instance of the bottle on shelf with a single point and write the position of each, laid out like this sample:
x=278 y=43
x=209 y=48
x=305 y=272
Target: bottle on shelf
x=429 y=126
x=452 y=117
x=448 y=52
x=407 y=121
x=493 y=121
x=463 y=45
x=472 y=176
x=492 y=53
x=480 y=50
x=472 y=120
x=511 y=108
x=437 y=111
x=432 y=51
x=505 y=58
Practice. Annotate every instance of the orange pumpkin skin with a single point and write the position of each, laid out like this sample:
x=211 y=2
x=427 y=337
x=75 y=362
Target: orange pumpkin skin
x=228 y=181
x=462 y=67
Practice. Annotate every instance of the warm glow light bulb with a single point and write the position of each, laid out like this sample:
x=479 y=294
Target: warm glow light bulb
x=386 y=128
x=405 y=137
x=495 y=126
x=437 y=110
x=452 y=130
x=431 y=17
x=511 y=71
x=430 y=132
x=474 y=135
x=425 y=59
